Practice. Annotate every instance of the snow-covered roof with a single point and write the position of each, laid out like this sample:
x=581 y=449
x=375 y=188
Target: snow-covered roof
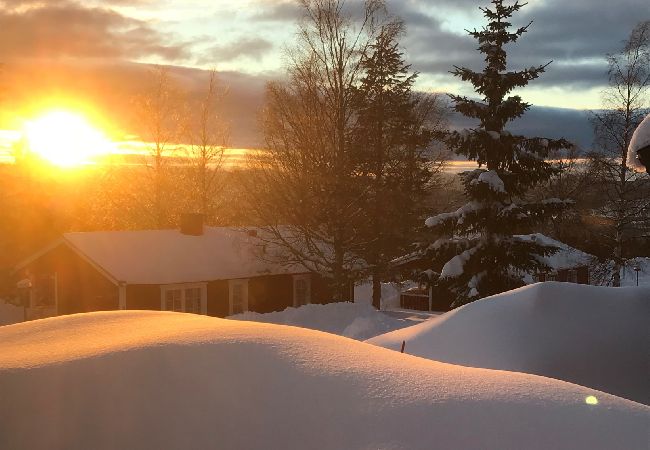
x=566 y=257
x=168 y=256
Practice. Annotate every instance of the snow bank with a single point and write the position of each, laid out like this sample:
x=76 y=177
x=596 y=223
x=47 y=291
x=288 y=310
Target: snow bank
x=157 y=380
x=640 y=139
x=593 y=336
x=354 y=320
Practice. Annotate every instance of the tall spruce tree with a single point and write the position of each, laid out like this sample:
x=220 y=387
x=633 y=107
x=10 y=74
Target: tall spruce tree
x=390 y=139
x=307 y=192
x=479 y=253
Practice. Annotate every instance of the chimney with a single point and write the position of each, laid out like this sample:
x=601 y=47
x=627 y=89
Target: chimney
x=192 y=224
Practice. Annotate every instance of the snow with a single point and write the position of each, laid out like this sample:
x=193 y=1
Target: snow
x=354 y=320
x=566 y=257
x=10 y=314
x=456 y=265
x=491 y=178
x=390 y=292
x=593 y=336
x=168 y=256
x=437 y=220
x=160 y=380
x=459 y=214
x=640 y=139
x=629 y=275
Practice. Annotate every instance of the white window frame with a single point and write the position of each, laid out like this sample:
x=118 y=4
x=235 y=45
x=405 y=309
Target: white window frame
x=182 y=287
x=306 y=277
x=231 y=285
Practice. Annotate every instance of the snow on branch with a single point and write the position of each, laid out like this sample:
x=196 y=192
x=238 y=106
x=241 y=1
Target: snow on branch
x=457 y=215
x=491 y=178
x=455 y=267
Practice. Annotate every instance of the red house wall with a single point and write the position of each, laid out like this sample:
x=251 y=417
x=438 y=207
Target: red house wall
x=81 y=287
x=270 y=293
x=218 y=298
x=143 y=296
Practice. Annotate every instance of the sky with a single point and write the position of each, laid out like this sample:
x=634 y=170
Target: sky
x=93 y=47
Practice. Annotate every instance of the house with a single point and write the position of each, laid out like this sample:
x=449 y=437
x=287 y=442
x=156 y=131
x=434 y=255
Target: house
x=566 y=265
x=197 y=269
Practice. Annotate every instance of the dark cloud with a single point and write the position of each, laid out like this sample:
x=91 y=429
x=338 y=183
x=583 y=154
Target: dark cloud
x=67 y=29
x=555 y=123
x=288 y=11
x=112 y=87
x=250 y=47
x=576 y=35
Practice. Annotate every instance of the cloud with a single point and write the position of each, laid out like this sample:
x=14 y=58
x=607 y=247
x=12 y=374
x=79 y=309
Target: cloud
x=250 y=47
x=111 y=87
x=286 y=11
x=576 y=35
x=68 y=29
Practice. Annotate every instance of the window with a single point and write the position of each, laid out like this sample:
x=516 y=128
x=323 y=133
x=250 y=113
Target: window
x=174 y=300
x=301 y=290
x=193 y=300
x=185 y=298
x=238 y=296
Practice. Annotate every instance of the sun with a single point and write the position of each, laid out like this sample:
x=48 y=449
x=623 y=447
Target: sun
x=65 y=138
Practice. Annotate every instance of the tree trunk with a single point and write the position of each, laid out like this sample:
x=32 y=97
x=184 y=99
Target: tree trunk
x=618 y=247
x=376 y=291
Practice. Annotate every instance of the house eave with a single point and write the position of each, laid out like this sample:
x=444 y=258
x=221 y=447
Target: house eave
x=63 y=241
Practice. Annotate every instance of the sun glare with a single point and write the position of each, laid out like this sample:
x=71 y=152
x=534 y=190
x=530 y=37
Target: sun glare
x=65 y=139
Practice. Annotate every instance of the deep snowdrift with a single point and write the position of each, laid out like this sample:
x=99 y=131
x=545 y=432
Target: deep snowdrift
x=593 y=336
x=354 y=320
x=168 y=381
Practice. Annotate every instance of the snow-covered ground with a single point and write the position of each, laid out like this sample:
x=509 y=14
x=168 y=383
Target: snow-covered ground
x=157 y=380
x=390 y=293
x=354 y=320
x=629 y=275
x=593 y=336
x=358 y=320
x=10 y=314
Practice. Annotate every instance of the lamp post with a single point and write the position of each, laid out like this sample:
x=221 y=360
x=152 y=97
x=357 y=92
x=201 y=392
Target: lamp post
x=637 y=269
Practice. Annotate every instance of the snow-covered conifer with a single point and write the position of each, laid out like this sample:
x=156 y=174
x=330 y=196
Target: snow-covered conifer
x=480 y=254
x=390 y=140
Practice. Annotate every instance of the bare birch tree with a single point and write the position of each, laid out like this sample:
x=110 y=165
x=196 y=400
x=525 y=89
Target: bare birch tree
x=159 y=112
x=208 y=135
x=626 y=103
x=307 y=192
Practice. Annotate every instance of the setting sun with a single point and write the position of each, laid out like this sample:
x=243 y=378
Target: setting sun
x=65 y=138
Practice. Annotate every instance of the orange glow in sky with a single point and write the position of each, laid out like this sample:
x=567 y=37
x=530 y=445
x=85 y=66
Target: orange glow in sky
x=65 y=138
